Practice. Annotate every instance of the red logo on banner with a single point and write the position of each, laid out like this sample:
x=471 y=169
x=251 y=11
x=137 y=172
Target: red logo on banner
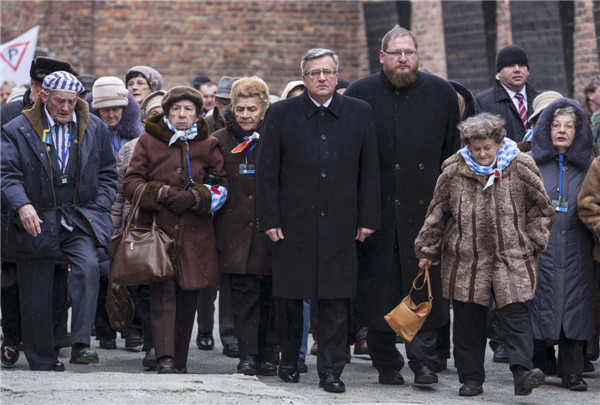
x=15 y=51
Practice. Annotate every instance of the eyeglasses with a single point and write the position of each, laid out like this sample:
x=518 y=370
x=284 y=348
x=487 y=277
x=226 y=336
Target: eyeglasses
x=569 y=126
x=317 y=73
x=396 y=54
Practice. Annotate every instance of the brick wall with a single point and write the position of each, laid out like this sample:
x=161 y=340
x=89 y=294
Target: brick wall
x=184 y=38
x=585 y=44
x=428 y=27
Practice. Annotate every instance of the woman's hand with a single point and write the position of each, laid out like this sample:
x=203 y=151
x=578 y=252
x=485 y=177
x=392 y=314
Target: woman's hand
x=180 y=201
x=424 y=262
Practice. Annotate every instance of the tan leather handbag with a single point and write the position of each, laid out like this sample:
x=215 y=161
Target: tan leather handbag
x=407 y=318
x=140 y=255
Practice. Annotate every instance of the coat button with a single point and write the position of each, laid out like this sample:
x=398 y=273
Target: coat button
x=323 y=174
x=397 y=167
x=323 y=137
x=251 y=224
x=176 y=226
x=397 y=202
x=250 y=197
x=421 y=202
x=321 y=113
x=421 y=166
x=563 y=233
x=178 y=170
x=322 y=213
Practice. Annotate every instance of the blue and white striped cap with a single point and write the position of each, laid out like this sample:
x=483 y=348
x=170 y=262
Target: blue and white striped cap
x=62 y=81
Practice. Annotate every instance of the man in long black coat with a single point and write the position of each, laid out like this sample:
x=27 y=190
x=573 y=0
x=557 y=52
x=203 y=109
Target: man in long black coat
x=415 y=116
x=317 y=193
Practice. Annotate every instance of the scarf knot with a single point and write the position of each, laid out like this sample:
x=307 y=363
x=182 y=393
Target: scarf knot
x=183 y=135
x=506 y=154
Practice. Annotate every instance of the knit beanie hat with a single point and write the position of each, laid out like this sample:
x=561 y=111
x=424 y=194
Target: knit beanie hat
x=62 y=81
x=179 y=93
x=152 y=101
x=152 y=76
x=109 y=91
x=511 y=55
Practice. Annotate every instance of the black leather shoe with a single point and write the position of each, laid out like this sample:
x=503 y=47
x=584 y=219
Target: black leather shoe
x=248 y=365
x=588 y=367
x=166 y=365
x=302 y=368
x=526 y=380
x=108 y=344
x=9 y=355
x=205 y=341
x=574 y=382
x=331 y=383
x=58 y=366
x=389 y=376
x=425 y=375
x=149 y=361
x=268 y=369
x=82 y=354
x=500 y=355
x=470 y=389
x=133 y=340
x=231 y=350
x=289 y=373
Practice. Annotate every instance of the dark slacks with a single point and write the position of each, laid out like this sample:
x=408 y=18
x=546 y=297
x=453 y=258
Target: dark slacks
x=172 y=315
x=421 y=351
x=570 y=356
x=250 y=304
x=470 y=335
x=332 y=334
x=206 y=310
x=36 y=285
x=140 y=294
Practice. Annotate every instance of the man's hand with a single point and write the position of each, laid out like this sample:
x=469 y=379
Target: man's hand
x=30 y=220
x=424 y=262
x=363 y=233
x=275 y=234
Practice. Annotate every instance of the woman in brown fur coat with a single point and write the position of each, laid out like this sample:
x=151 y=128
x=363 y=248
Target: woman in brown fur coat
x=490 y=217
x=170 y=161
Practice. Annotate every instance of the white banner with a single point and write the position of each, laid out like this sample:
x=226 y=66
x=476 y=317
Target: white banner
x=16 y=56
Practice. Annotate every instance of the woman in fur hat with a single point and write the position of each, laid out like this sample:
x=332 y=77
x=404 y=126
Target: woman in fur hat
x=490 y=217
x=170 y=162
x=563 y=308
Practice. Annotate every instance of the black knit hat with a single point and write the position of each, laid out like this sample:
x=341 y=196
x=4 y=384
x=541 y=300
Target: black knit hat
x=179 y=93
x=511 y=55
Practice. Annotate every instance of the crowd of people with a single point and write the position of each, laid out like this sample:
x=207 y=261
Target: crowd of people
x=312 y=211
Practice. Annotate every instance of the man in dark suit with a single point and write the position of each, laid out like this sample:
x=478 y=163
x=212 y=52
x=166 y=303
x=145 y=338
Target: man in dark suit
x=511 y=97
x=317 y=192
x=415 y=115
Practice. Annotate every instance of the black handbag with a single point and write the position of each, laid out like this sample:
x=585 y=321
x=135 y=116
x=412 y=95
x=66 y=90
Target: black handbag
x=140 y=255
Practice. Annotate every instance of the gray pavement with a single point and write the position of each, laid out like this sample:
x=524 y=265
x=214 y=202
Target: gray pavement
x=119 y=379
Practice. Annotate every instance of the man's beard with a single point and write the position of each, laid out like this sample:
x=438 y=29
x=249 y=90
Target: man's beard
x=401 y=79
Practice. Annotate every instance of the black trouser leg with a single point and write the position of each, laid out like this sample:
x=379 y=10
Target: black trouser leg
x=422 y=351
x=60 y=303
x=226 y=326
x=9 y=302
x=515 y=324
x=383 y=351
x=469 y=340
x=288 y=319
x=245 y=305
x=570 y=356
x=102 y=321
x=140 y=295
x=332 y=336
x=206 y=309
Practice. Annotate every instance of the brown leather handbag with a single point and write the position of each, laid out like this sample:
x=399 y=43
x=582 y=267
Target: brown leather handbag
x=407 y=318
x=140 y=255
x=119 y=307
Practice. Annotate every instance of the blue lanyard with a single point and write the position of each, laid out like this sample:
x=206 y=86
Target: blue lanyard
x=249 y=150
x=118 y=148
x=560 y=175
x=187 y=157
x=64 y=157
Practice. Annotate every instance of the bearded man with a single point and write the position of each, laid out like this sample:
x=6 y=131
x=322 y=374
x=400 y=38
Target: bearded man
x=415 y=116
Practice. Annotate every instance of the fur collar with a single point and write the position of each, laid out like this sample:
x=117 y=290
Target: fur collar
x=34 y=116
x=130 y=126
x=580 y=152
x=156 y=127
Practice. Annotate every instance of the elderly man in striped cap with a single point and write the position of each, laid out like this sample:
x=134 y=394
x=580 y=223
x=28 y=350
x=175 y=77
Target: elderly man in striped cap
x=59 y=180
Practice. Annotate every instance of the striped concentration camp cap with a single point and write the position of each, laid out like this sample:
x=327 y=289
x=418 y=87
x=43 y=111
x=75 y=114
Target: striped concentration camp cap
x=62 y=81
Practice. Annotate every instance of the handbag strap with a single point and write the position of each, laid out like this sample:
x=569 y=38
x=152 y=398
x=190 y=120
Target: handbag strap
x=137 y=197
x=425 y=272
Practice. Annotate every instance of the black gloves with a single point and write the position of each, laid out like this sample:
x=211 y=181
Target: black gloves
x=180 y=201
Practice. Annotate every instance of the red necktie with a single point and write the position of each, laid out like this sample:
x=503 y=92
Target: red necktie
x=522 y=109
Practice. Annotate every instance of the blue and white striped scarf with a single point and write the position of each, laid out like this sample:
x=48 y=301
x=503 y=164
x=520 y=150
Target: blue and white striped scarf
x=506 y=154
x=183 y=135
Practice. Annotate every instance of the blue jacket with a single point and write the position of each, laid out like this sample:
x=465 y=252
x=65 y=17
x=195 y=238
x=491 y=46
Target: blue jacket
x=27 y=179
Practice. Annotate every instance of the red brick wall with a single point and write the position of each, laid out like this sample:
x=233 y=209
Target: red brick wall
x=428 y=27
x=183 y=38
x=586 y=46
